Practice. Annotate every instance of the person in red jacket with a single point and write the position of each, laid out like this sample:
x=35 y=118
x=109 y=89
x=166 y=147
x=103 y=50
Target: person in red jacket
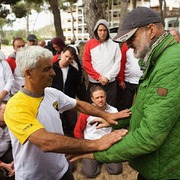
x=58 y=44
x=128 y=78
x=18 y=79
x=17 y=44
x=101 y=61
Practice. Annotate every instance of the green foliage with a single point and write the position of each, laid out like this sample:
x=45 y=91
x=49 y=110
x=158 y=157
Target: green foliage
x=10 y=2
x=8 y=36
x=4 y=21
x=20 y=10
x=5 y=41
x=63 y=3
x=4 y=12
x=35 y=1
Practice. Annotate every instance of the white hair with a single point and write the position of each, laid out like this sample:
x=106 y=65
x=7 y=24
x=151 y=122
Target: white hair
x=29 y=56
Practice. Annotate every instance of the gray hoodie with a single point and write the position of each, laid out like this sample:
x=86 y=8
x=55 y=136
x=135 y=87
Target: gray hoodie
x=103 y=22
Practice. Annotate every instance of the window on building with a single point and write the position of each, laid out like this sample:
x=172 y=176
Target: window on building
x=116 y=14
x=79 y=11
x=173 y=23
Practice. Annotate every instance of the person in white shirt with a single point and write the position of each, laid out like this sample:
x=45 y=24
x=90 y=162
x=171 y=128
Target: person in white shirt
x=128 y=78
x=85 y=130
x=6 y=80
x=18 y=43
x=2 y=55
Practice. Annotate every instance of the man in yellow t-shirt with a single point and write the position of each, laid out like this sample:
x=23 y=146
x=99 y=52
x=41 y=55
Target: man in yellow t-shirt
x=32 y=115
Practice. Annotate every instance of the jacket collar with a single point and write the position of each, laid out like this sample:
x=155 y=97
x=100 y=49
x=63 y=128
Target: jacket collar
x=157 y=48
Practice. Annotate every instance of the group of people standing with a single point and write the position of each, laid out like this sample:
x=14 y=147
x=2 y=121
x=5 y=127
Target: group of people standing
x=43 y=121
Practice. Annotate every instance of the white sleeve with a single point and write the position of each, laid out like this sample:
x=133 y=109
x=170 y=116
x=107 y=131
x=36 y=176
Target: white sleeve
x=116 y=63
x=8 y=76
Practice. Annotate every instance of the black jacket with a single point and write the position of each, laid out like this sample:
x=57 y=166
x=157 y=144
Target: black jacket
x=72 y=82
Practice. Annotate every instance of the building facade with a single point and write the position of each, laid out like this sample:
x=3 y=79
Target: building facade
x=172 y=15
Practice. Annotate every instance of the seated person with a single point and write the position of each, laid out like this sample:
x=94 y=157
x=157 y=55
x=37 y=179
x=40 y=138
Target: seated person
x=84 y=129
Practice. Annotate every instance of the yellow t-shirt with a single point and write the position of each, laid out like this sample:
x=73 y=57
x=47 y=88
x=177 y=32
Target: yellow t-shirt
x=24 y=115
x=20 y=115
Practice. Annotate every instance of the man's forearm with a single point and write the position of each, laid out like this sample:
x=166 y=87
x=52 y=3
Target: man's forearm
x=51 y=142
x=89 y=109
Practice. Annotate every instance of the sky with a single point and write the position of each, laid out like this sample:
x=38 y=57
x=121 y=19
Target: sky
x=36 y=21
x=170 y=3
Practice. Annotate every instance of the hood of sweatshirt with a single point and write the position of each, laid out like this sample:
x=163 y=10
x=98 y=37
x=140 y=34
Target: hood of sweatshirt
x=103 y=22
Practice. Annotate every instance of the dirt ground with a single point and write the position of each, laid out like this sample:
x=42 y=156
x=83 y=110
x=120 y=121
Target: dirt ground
x=127 y=174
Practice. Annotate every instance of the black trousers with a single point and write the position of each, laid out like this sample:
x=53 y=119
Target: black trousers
x=69 y=119
x=126 y=96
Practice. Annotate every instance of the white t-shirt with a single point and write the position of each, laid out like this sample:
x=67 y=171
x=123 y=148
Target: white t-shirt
x=24 y=115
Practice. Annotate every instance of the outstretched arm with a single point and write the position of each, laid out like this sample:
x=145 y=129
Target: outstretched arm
x=51 y=142
x=89 y=109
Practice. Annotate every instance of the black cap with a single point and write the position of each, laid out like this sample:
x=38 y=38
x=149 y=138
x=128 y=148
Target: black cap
x=139 y=17
x=31 y=37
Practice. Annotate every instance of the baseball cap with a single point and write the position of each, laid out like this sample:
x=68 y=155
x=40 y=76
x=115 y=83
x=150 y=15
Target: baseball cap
x=31 y=37
x=138 y=17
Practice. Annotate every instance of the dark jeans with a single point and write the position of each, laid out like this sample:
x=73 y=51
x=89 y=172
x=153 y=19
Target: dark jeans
x=69 y=119
x=125 y=97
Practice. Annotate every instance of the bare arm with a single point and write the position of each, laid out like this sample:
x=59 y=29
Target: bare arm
x=89 y=109
x=102 y=123
x=75 y=157
x=51 y=142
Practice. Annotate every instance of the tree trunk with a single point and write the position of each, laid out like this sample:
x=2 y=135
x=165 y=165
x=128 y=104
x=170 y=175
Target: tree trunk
x=161 y=10
x=164 y=14
x=134 y=2
x=93 y=11
x=57 y=18
x=123 y=12
x=72 y=23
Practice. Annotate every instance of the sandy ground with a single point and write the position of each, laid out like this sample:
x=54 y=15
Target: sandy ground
x=128 y=174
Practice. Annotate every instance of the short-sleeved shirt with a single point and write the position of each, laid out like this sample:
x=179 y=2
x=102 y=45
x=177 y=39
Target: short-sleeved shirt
x=25 y=113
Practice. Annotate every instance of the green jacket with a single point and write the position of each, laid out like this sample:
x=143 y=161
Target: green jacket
x=152 y=145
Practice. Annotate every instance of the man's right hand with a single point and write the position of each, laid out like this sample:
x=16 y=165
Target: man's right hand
x=103 y=143
x=109 y=139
